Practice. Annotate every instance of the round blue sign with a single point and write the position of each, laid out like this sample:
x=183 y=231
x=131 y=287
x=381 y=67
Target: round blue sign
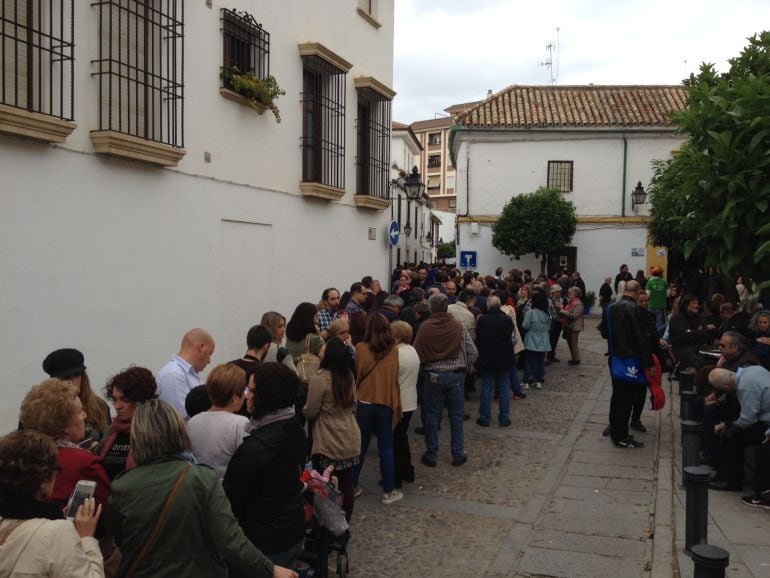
x=393 y=233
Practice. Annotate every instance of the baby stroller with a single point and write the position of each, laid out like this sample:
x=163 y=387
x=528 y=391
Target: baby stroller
x=326 y=529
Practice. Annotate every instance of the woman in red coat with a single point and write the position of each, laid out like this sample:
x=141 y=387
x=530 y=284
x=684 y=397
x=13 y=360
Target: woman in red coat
x=53 y=408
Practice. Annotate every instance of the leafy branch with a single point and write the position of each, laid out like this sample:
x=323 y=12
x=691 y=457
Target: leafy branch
x=261 y=93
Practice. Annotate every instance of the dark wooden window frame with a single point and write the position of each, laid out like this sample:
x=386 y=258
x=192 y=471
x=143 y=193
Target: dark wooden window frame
x=560 y=175
x=142 y=97
x=37 y=57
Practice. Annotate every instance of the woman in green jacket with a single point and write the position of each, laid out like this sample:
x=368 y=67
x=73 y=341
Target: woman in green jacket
x=198 y=536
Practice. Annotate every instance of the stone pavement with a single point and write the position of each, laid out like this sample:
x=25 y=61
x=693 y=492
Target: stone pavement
x=548 y=496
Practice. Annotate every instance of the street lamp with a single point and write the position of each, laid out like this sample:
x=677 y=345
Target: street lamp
x=638 y=195
x=414 y=188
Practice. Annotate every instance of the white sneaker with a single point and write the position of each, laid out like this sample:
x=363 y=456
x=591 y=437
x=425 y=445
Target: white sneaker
x=525 y=385
x=537 y=385
x=393 y=496
x=358 y=491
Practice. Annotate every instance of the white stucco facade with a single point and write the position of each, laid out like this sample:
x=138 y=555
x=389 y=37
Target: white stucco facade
x=493 y=166
x=119 y=258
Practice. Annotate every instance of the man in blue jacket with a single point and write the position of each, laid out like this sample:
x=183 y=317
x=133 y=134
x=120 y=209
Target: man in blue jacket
x=752 y=387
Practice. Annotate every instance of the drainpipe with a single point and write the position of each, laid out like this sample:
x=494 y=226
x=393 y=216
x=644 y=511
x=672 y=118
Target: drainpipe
x=625 y=162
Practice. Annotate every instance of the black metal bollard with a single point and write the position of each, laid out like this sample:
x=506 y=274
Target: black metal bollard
x=686 y=399
x=697 y=506
x=685 y=380
x=691 y=431
x=710 y=561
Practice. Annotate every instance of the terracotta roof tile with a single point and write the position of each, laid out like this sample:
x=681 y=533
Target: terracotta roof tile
x=577 y=106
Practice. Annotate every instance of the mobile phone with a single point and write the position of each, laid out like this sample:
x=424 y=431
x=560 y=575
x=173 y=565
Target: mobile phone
x=83 y=489
x=86 y=443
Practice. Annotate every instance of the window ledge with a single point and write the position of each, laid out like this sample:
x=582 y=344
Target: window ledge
x=321 y=191
x=370 y=202
x=234 y=96
x=33 y=125
x=132 y=147
x=369 y=18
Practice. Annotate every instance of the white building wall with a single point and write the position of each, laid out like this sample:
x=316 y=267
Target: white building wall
x=493 y=167
x=119 y=258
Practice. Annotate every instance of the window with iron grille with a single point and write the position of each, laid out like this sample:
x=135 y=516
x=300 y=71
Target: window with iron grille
x=560 y=176
x=323 y=122
x=372 y=144
x=245 y=45
x=434 y=161
x=140 y=69
x=37 y=56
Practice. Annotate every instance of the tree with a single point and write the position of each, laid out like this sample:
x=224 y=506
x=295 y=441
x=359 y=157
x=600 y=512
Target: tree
x=541 y=222
x=447 y=250
x=712 y=198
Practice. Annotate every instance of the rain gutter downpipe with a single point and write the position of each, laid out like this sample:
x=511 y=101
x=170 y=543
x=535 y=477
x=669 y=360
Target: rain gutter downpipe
x=623 y=188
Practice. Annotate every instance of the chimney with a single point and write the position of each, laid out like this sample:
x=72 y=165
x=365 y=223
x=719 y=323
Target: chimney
x=489 y=93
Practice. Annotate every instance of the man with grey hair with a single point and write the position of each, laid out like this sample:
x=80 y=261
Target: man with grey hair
x=461 y=311
x=496 y=357
x=446 y=352
x=390 y=309
x=752 y=387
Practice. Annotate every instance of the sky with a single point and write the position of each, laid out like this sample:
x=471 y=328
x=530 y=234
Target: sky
x=453 y=51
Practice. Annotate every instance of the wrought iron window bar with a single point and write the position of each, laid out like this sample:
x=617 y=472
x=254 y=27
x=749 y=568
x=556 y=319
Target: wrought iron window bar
x=373 y=128
x=245 y=45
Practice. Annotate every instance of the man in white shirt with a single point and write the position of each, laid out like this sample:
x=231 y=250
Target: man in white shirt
x=180 y=375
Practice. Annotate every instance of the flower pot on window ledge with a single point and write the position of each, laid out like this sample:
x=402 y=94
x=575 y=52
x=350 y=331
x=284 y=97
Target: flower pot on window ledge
x=258 y=93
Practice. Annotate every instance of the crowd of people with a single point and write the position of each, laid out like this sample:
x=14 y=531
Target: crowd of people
x=222 y=458
x=724 y=341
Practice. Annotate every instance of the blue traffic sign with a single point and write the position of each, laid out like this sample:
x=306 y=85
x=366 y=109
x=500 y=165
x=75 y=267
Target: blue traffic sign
x=468 y=259
x=393 y=233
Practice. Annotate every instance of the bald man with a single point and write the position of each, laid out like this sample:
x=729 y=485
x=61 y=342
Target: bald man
x=181 y=374
x=752 y=387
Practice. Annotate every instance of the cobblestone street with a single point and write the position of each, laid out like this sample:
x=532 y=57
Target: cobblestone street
x=548 y=496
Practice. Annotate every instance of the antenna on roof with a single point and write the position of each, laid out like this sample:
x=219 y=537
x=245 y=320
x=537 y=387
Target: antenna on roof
x=548 y=63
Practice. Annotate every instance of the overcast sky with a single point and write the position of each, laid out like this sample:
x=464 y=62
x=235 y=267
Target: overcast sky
x=452 y=51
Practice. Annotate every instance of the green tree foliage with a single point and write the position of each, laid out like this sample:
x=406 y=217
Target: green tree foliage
x=712 y=199
x=541 y=222
x=447 y=250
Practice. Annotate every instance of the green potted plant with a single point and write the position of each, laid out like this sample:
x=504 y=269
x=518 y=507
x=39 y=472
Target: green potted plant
x=260 y=93
x=589 y=301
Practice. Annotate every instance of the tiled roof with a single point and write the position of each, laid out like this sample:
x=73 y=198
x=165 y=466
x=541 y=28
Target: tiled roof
x=399 y=125
x=422 y=125
x=577 y=106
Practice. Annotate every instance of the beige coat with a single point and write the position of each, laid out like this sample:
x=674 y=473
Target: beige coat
x=40 y=547
x=461 y=312
x=335 y=432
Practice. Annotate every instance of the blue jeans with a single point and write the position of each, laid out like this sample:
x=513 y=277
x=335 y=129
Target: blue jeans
x=375 y=417
x=534 y=366
x=660 y=320
x=514 y=379
x=447 y=389
x=500 y=379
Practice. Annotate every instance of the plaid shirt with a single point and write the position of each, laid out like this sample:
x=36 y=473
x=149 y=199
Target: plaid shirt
x=466 y=357
x=325 y=318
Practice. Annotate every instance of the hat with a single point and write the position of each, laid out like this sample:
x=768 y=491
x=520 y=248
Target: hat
x=64 y=363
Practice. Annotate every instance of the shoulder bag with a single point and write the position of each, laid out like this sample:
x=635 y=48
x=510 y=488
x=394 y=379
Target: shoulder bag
x=161 y=518
x=628 y=369
x=308 y=362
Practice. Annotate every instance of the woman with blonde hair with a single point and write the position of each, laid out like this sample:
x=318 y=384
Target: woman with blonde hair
x=36 y=539
x=171 y=518
x=54 y=409
x=379 y=399
x=276 y=323
x=69 y=365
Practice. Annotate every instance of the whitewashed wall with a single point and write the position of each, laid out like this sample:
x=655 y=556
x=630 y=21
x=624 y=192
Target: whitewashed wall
x=492 y=167
x=119 y=258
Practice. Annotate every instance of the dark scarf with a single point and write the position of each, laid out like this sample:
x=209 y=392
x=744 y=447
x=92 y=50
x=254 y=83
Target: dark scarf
x=29 y=510
x=439 y=337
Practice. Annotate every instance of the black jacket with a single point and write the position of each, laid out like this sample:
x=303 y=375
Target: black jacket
x=628 y=329
x=262 y=483
x=493 y=340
